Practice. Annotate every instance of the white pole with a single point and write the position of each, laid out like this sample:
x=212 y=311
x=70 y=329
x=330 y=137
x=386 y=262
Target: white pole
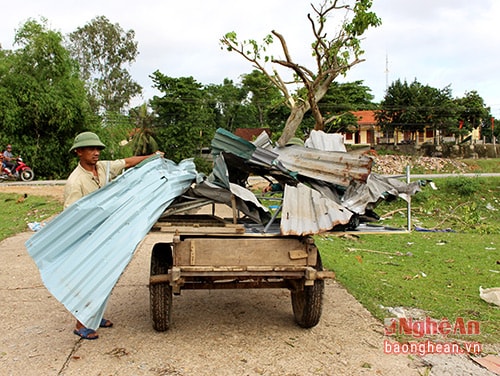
x=408 y=204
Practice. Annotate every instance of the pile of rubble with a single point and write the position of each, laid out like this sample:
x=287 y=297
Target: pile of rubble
x=396 y=164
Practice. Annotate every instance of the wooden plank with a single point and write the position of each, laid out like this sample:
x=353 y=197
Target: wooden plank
x=259 y=268
x=192 y=253
x=289 y=269
x=274 y=252
x=296 y=255
x=197 y=229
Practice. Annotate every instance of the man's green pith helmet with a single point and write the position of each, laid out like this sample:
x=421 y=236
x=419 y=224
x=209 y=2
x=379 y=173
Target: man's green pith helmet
x=86 y=139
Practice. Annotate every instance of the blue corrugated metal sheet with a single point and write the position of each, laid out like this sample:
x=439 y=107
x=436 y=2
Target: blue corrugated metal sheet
x=84 y=250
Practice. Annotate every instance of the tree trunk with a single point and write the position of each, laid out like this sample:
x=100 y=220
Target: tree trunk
x=292 y=123
x=319 y=124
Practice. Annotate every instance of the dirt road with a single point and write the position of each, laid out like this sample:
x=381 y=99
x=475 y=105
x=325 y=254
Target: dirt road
x=244 y=332
x=233 y=332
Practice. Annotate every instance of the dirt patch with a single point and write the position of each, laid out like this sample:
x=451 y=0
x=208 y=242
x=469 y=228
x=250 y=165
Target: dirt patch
x=56 y=191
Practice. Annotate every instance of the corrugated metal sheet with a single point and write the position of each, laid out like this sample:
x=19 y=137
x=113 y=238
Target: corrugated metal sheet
x=329 y=166
x=325 y=141
x=263 y=141
x=305 y=211
x=225 y=141
x=244 y=199
x=84 y=250
x=359 y=197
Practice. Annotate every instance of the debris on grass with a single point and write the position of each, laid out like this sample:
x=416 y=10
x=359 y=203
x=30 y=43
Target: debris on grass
x=397 y=253
x=490 y=295
x=404 y=312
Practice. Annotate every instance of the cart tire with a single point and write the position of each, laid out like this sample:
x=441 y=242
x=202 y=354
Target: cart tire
x=307 y=303
x=160 y=294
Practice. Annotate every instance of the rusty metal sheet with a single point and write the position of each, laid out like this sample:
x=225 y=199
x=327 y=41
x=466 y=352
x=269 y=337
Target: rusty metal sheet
x=329 y=166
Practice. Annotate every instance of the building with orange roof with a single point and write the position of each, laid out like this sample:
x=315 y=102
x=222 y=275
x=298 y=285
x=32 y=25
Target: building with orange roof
x=370 y=133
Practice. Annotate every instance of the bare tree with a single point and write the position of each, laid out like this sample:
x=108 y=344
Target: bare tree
x=333 y=56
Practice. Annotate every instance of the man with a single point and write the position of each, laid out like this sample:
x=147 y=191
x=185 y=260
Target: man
x=90 y=175
x=8 y=158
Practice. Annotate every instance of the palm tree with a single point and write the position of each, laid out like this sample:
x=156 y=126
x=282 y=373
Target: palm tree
x=143 y=141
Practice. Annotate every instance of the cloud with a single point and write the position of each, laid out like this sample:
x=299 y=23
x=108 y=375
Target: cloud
x=438 y=43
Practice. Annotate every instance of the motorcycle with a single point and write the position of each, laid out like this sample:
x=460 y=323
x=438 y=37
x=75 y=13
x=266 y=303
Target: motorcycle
x=20 y=171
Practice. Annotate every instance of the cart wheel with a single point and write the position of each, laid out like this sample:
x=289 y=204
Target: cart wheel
x=307 y=302
x=160 y=294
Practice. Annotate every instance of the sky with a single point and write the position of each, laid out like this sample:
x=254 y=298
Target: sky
x=438 y=43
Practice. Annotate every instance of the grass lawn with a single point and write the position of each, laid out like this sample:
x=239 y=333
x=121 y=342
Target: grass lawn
x=462 y=204
x=439 y=273
x=16 y=212
x=483 y=165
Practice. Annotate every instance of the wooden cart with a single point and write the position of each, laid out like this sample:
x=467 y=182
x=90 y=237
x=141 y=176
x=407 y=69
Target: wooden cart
x=208 y=252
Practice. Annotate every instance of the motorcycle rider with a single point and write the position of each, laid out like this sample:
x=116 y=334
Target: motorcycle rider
x=9 y=158
x=3 y=168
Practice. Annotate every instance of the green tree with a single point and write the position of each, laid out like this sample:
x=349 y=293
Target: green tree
x=473 y=113
x=228 y=102
x=414 y=107
x=114 y=130
x=43 y=102
x=103 y=50
x=339 y=102
x=489 y=128
x=185 y=120
x=334 y=56
x=445 y=112
x=266 y=100
x=348 y=96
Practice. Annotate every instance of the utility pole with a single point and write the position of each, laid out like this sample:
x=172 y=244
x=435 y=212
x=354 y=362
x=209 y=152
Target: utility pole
x=386 y=73
x=386 y=88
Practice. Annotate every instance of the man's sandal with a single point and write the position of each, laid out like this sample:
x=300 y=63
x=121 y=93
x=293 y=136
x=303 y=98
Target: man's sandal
x=86 y=333
x=105 y=324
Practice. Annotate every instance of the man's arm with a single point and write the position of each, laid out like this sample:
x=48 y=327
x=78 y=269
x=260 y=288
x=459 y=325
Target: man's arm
x=135 y=160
